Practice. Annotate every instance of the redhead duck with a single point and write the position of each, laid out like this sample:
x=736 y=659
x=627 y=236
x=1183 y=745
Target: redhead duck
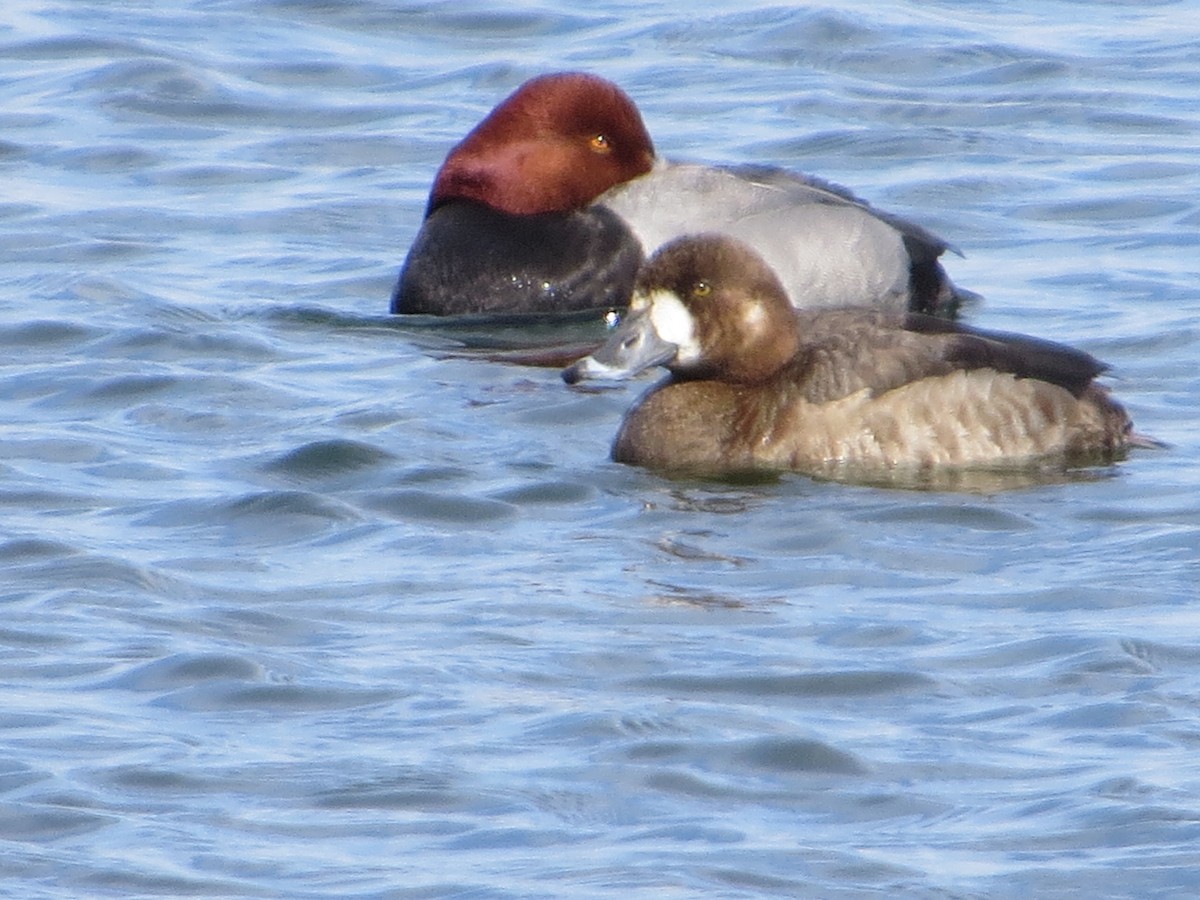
x=552 y=202
x=759 y=385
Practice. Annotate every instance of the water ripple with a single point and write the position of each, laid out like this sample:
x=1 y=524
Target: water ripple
x=302 y=599
x=800 y=685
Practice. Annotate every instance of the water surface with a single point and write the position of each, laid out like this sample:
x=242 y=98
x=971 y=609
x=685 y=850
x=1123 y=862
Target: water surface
x=302 y=600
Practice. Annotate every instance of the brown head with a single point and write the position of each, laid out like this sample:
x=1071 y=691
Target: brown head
x=704 y=306
x=554 y=145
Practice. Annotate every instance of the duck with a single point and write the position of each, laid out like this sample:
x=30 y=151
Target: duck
x=756 y=384
x=555 y=199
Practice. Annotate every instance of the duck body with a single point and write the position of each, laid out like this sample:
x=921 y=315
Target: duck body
x=551 y=201
x=965 y=418
x=758 y=385
x=828 y=247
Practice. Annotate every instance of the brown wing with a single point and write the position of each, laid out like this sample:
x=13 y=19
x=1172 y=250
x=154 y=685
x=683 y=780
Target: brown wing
x=845 y=351
x=1017 y=354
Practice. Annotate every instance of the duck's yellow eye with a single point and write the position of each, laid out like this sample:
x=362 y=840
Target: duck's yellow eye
x=600 y=143
x=701 y=289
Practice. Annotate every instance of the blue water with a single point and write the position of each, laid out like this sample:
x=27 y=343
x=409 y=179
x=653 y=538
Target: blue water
x=300 y=600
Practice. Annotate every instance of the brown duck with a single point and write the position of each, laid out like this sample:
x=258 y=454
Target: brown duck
x=757 y=384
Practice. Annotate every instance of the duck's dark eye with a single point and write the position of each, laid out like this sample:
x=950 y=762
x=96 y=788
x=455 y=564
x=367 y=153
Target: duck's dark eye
x=600 y=143
x=701 y=289
x=612 y=319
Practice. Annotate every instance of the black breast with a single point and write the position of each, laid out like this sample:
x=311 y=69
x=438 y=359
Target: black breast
x=469 y=258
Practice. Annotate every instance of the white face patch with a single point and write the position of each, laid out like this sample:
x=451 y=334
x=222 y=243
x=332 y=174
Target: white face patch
x=675 y=325
x=754 y=318
x=638 y=301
